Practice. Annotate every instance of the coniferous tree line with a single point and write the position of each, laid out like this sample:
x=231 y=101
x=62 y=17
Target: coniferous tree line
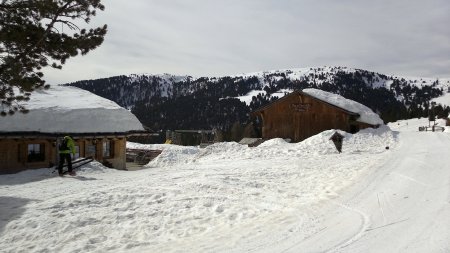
x=162 y=103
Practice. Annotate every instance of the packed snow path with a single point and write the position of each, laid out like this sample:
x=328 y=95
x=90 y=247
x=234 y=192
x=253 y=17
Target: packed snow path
x=278 y=197
x=403 y=207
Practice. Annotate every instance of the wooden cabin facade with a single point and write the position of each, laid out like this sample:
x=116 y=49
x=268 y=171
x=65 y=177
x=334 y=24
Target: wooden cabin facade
x=298 y=116
x=98 y=126
x=21 y=151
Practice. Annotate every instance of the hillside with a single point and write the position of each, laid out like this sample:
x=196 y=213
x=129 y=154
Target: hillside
x=184 y=102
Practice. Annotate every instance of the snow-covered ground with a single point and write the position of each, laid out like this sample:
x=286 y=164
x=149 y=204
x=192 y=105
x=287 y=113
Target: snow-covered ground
x=278 y=197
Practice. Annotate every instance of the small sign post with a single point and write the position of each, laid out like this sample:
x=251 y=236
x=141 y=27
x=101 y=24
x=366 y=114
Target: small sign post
x=337 y=139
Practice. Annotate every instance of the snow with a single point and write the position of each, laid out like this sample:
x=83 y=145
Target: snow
x=63 y=109
x=366 y=115
x=443 y=100
x=319 y=75
x=247 y=98
x=227 y=197
x=281 y=93
x=412 y=125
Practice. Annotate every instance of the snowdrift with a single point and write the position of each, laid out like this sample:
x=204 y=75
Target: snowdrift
x=366 y=141
x=217 y=199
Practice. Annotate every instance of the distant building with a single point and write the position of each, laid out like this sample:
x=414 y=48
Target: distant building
x=190 y=137
x=99 y=127
x=302 y=114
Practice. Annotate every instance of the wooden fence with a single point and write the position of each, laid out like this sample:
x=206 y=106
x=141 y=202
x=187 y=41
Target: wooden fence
x=141 y=156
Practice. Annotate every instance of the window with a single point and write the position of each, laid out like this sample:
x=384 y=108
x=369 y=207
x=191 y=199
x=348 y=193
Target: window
x=77 y=152
x=108 y=149
x=90 y=150
x=36 y=153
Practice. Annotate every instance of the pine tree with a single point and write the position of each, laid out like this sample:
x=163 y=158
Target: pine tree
x=40 y=33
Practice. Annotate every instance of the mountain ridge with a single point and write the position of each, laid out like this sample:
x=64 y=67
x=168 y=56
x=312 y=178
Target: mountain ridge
x=168 y=101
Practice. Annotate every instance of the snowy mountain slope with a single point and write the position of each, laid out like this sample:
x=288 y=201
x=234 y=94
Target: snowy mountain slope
x=321 y=75
x=443 y=100
x=185 y=102
x=166 y=85
x=278 y=197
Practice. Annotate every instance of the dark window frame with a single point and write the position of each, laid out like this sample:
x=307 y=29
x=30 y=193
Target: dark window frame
x=108 y=149
x=35 y=152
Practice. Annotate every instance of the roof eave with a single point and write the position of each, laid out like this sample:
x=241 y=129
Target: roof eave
x=37 y=134
x=306 y=94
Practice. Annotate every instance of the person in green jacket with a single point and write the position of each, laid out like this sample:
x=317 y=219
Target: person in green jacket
x=66 y=148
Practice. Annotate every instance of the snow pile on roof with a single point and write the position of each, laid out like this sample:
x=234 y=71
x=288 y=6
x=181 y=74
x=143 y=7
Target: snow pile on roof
x=366 y=115
x=63 y=109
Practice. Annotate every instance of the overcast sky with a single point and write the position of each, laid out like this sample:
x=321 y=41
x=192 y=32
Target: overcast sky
x=216 y=38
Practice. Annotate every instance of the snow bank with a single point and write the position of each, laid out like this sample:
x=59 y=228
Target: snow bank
x=171 y=154
x=62 y=109
x=365 y=113
x=366 y=141
x=26 y=176
x=174 y=155
x=204 y=200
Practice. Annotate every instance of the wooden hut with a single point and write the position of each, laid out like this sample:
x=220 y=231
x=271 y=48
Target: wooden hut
x=20 y=151
x=302 y=114
x=190 y=137
x=99 y=127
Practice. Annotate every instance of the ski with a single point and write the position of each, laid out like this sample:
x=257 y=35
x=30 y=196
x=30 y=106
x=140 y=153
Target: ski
x=76 y=163
x=86 y=161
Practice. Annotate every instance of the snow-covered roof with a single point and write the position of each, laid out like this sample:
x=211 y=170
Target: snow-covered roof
x=366 y=115
x=63 y=109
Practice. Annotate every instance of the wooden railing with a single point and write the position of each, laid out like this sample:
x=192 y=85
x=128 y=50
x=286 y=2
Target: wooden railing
x=141 y=156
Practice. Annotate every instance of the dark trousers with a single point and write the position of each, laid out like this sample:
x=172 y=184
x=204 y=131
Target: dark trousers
x=63 y=157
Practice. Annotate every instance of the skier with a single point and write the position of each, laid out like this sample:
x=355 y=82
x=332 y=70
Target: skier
x=66 y=147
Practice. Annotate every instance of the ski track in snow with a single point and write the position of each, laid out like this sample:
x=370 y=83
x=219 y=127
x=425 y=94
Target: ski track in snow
x=278 y=197
x=365 y=223
x=396 y=211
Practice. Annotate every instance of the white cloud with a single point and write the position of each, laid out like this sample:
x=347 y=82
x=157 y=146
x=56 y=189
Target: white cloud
x=210 y=37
